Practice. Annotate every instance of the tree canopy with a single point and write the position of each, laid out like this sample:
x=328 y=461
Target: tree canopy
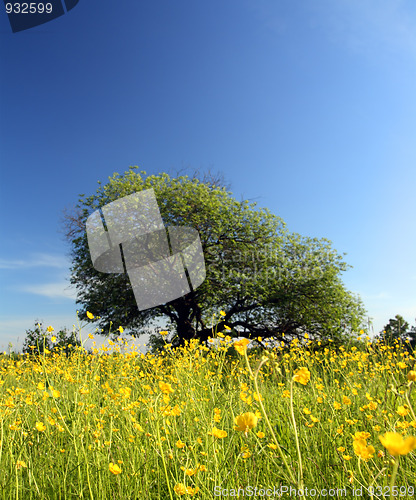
x=397 y=329
x=267 y=280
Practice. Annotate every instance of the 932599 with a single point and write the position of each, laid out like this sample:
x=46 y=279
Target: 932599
x=28 y=8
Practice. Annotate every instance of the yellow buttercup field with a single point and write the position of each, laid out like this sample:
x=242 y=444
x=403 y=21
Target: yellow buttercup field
x=192 y=422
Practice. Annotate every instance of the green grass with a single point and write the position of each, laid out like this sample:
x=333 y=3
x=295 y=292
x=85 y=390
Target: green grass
x=64 y=420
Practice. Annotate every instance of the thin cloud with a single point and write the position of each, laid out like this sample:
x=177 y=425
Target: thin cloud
x=376 y=296
x=17 y=327
x=36 y=260
x=373 y=27
x=50 y=290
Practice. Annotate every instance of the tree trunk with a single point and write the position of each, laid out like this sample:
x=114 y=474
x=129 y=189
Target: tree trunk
x=184 y=327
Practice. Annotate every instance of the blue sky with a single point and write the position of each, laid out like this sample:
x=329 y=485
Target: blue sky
x=306 y=107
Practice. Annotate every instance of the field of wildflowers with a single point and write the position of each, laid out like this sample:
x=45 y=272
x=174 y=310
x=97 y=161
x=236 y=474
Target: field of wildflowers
x=199 y=422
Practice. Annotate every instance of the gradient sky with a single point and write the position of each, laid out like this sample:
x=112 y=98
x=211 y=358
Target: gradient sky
x=307 y=108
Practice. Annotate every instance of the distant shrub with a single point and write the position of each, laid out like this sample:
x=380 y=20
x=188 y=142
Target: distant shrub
x=40 y=340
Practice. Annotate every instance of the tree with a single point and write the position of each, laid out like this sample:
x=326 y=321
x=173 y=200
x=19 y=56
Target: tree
x=396 y=329
x=40 y=340
x=412 y=337
x=267 y=280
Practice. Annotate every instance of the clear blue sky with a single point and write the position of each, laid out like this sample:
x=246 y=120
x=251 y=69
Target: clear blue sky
x=307 y=107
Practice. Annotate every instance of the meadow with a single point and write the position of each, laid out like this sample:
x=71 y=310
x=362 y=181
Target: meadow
x=298 y=420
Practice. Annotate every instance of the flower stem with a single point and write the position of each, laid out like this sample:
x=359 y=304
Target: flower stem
x=292 y=477
x=292 y=414
x=394 y=474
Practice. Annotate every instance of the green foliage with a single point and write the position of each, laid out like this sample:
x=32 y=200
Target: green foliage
x=267 y=280
x=412 y=337
x=396 y=329
x=156 y=343
x=39 y=340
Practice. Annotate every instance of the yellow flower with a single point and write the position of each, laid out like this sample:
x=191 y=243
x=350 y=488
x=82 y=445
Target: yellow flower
x=192 y=491
x=55 y=393
x=20 y=464
x=49 y=329
x=396 y=445
x=362 y=450
x=179 y=489
x=120 y=329
x=222 y=313
x=402 y=411
x=41 y=386
x=189 y=472
x=90 y=315
x=125 y=391
x=114 y=468
x=302 y=376
x=165 y=388
x=245 y=422
x=218 y=433
x=241 y=346
x=260 y=435
x=411 y=376
x=15 y=426
x=53 y=339
x=361 y=435
x=40 y=426
x=176 y=411
x=179 y=444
